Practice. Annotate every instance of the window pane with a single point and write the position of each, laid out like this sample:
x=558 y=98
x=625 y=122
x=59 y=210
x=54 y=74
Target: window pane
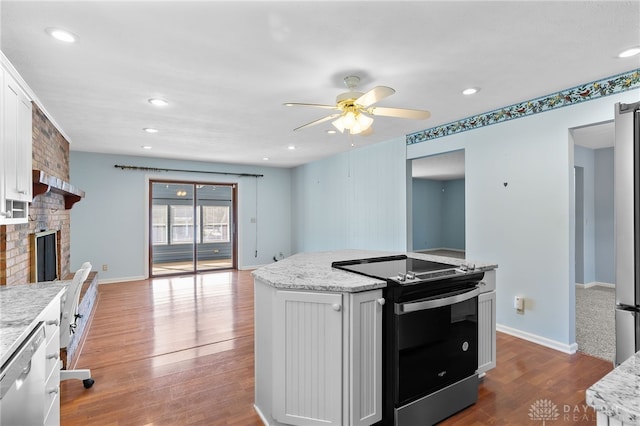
x=181 y=224
x=159 y=225
x=215 y=221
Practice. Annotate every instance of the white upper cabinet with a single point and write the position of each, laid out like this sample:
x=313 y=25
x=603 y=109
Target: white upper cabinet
x=15 y=145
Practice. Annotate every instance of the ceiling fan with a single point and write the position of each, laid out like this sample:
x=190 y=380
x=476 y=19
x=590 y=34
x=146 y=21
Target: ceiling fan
x=354 y=109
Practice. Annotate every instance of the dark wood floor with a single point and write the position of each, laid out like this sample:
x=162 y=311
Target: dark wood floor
x=179 y=351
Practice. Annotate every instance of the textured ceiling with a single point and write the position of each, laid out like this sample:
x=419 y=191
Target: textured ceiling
x=227 y=67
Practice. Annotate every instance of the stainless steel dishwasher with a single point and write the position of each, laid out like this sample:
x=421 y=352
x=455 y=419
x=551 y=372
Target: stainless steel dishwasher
x=22 y=380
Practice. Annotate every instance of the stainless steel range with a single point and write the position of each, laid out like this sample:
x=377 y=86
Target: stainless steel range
x=430 y=337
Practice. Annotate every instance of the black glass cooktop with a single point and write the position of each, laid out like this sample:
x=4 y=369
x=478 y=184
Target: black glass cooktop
x=390 y=266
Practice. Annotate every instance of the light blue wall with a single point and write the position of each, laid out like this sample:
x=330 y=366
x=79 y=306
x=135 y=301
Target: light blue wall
x=109 y=224
x=598 y=227
x=604 y=214
x=583 y=157
x=427 y=214
x=353 y=200
x=453 y=214
x=527 y=227
x=438 y=214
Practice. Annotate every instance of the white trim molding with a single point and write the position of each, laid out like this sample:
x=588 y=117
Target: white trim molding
x=595 y=284
x=120 y=280
x=534 y=338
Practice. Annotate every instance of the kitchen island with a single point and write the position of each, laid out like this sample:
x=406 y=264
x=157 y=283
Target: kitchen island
x=616 y=397
x=318 y=339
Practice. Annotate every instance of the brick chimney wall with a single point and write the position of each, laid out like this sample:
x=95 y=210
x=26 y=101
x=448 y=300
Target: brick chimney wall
x=46 y=212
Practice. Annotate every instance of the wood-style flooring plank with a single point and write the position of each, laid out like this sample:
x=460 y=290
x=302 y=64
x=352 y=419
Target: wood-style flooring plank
x=179 y=351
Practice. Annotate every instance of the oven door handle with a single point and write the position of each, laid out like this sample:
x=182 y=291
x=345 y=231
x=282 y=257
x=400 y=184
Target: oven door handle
x=421 y=305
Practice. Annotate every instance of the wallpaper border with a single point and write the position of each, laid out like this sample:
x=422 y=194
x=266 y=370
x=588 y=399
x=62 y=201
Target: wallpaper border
x=596 y=89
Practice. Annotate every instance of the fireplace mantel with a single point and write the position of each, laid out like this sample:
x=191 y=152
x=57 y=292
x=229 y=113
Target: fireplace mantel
x=43 y=183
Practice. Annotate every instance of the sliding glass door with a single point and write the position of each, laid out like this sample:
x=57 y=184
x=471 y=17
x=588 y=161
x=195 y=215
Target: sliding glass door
x=191 y=227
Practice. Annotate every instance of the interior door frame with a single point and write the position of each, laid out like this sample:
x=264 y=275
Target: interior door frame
x=233 y=225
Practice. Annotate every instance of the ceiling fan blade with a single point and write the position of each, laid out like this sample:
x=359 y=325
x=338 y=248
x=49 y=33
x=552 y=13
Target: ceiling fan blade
x=375 y=95
x=415 y=114
x=311 y=105
x=321 y=120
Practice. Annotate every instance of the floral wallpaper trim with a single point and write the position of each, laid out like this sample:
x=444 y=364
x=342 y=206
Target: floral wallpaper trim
x=596 y=89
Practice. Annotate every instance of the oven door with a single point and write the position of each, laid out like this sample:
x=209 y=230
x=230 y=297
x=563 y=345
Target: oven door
x=437 y=343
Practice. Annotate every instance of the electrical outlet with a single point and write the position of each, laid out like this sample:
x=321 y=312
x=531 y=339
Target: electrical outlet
x=105 y=267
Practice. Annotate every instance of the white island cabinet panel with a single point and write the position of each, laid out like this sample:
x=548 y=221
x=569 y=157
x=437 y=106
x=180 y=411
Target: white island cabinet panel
x=308 y=370
x=487 y=323
x=365 y=341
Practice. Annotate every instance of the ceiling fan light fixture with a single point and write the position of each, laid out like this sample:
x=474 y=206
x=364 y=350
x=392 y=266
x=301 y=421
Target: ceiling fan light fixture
x=339 y=124
x=349 y=120
x=362 y=123
x=353 y=110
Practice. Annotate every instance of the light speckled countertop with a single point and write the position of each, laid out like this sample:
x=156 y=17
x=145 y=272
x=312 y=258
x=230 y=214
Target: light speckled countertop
x=20 y=306
x=617 y=395
x=313 y=271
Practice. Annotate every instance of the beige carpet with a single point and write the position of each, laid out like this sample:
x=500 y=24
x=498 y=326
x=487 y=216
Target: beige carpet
x=595 y=321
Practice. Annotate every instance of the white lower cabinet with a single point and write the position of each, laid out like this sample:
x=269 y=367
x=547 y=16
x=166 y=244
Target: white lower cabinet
x=51 y=407
x=34 y=399
x=308 y=358
x=318 y=357
x=487 y=323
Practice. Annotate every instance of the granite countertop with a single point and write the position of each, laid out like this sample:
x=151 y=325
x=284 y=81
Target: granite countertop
x=313 y=271
x=617 y=395
x=20 y=307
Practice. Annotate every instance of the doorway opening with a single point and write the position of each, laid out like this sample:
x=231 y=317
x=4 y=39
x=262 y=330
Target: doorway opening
x=191 y=227
x=594 y=242
x=438 y=204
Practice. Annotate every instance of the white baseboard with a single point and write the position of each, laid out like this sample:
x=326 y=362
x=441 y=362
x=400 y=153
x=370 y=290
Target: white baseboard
x=534 y=338
x=262 y=417
x=119 y=280
x=427 y=250
x=595 y=284
x=250 y=267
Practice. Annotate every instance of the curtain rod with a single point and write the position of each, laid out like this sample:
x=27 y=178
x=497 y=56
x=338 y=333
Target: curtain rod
x=154 y=169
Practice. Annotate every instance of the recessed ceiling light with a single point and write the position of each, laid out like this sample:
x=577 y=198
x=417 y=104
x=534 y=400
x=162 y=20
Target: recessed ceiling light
x=331 y=132
x=291 y=147
x=629 y=52
x=150 y=130
x=158 y=102
x=146 y=147
x=470 y=91
x=62 y=35
x=265 y=158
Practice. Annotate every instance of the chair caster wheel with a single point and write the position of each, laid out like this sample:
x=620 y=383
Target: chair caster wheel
x=88 y=383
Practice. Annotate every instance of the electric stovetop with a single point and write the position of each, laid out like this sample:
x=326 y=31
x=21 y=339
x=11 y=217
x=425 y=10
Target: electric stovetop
x=398 y=268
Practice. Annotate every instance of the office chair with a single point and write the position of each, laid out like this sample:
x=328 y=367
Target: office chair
x=68 y=317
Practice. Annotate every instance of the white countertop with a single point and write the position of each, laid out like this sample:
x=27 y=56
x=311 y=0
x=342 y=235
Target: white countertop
x=313 y=271
x=20 y=306
x=617 y=395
